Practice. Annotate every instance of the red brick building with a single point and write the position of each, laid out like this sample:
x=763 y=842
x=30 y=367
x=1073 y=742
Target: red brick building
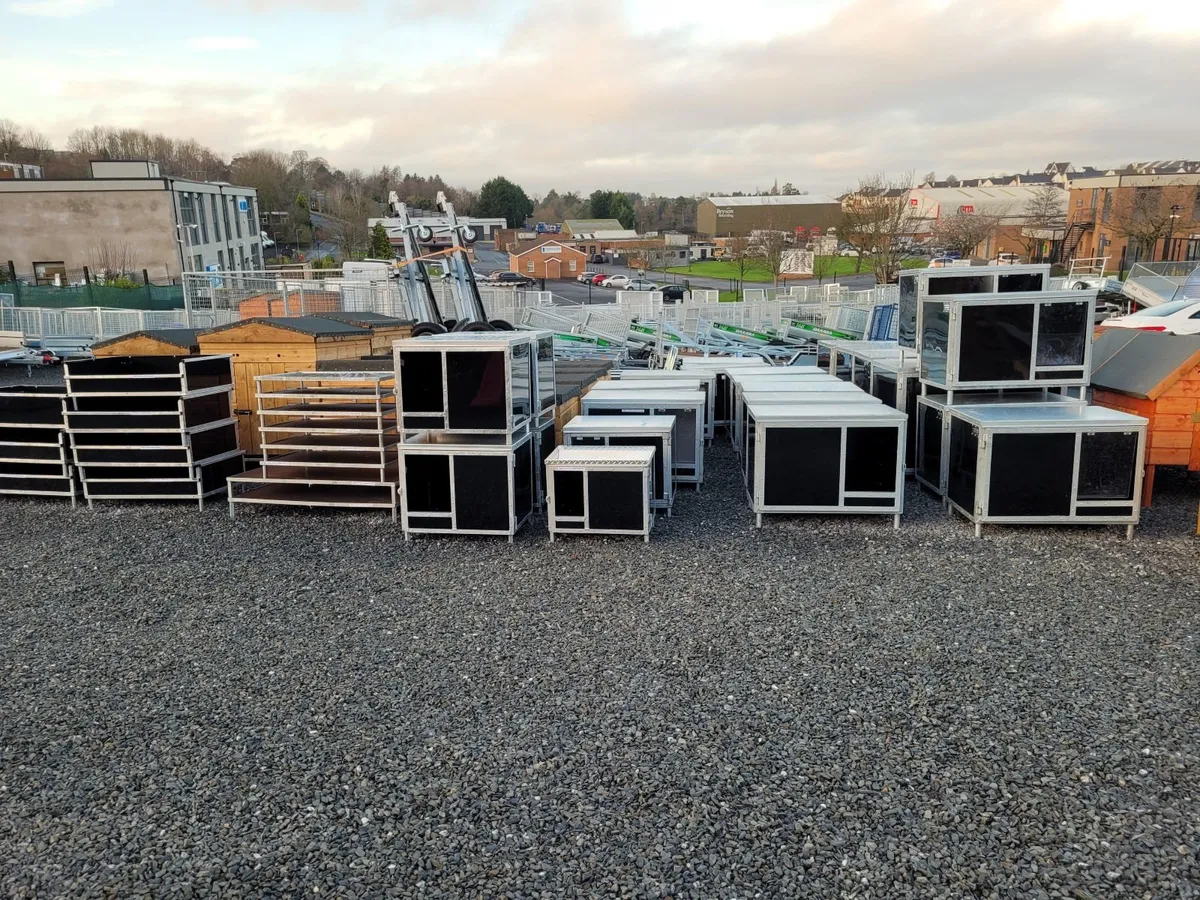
x=549 y=258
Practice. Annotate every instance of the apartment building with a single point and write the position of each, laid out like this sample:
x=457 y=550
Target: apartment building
x=1134 y=216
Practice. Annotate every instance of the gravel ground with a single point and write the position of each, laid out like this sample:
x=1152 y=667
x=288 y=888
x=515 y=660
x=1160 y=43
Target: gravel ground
x=295 y=703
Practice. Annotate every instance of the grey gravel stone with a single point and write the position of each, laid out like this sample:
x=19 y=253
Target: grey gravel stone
x=299 y=703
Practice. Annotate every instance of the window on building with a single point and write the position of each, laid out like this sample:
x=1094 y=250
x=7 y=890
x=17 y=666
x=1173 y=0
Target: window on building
x=242 y=254
x=1107 y=211
x=228 y=230
x=255 y=258
x=237 y=216
x=573 y=269
x=252 y=216
x=50 y=272
x=200 y=207
x=1095 y=196
x=187 y=211
x=216 y=216
x=197 y=263
x=529 y=266
x=221 y=260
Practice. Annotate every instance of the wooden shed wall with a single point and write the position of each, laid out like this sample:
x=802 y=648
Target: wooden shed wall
x=259 y=349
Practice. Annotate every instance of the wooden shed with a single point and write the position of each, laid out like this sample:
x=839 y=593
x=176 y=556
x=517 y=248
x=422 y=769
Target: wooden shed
x=289 y=303
x=384 y=329
x=1157 y=376
x=153 y=342
x=272 y=346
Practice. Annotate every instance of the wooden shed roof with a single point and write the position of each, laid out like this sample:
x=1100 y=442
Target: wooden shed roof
x=365 y=319
x=316 y=326
x=184 y=338
x=1142 y=364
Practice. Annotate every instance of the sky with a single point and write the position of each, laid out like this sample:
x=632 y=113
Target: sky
x=657 y=96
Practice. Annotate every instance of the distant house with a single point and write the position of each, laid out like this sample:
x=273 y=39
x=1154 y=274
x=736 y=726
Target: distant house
x=549 y=258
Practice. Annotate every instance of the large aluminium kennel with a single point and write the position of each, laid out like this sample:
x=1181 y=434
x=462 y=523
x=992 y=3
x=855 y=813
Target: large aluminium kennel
x=783 y=397
x=897 y=383
x=1018 y=340
x=933 y=427
x=631 y=431
x=1045 y=463
x=600 y=490
x=917 y=286
x=826 y=458
x=673 y=378
x=686 y=406
x=483 y=383
x=466 y=484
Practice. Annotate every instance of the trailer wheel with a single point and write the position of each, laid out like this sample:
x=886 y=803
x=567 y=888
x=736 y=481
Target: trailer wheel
x=476 y=326
x=423 y=328
x=501 y=325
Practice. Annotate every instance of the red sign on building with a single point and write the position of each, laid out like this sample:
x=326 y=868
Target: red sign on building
x=966 y=209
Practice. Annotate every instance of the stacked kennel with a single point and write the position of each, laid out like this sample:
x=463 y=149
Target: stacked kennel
x=476 y=415
x=35 y=451
x=1003 y=434
x=152 y=427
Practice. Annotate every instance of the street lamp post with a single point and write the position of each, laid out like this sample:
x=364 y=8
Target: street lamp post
x=1171 y=231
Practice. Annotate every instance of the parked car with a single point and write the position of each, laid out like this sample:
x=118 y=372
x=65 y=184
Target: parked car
x=511 y=279
x=585 y=277
x=618 y=282
x=598 y=259
x=1008 y=259
x=848 y=251
x=599 y=279
x=939 y=262
x=1176 y=317
x=641 y=284
x=673 y=293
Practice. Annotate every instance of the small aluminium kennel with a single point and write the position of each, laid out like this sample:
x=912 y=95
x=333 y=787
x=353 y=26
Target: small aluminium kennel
x=631 y=431
x=686 y=406
x=825 y=458
x=600 y=490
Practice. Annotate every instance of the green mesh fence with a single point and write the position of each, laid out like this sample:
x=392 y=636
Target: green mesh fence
x=151 y=296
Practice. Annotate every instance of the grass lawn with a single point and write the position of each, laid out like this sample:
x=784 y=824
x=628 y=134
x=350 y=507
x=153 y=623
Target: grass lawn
x=840 y=265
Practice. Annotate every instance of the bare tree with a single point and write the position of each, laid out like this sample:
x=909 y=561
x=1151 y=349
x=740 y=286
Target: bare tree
x=347 y=212
x=10 y=139
x=1146 y=215
x=878 y=213
x=111 y=260
x=1045 y=212
x=741 y=257
x=769 y=248
x=964 y=231
x=824 y=266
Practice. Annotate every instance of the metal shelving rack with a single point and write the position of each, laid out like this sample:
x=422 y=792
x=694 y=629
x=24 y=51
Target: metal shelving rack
x=328 y=439
x=152 y=427
x=35 y=452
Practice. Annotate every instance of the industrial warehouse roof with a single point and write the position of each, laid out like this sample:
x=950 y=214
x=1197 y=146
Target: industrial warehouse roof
x=1142 y=364
x=184 y=338
x=317 y=326
x=577 y=225
x=785 y=200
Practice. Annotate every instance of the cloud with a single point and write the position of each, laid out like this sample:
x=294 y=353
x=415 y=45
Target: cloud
x=57 y=9
x=583 y=99
x=215 y=42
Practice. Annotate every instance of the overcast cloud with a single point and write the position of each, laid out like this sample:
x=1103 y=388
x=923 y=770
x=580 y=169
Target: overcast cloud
x=668 y=97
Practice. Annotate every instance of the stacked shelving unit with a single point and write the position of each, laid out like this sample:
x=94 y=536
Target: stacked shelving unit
x=152 y=427
x=35 y=452
x=328 y=439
